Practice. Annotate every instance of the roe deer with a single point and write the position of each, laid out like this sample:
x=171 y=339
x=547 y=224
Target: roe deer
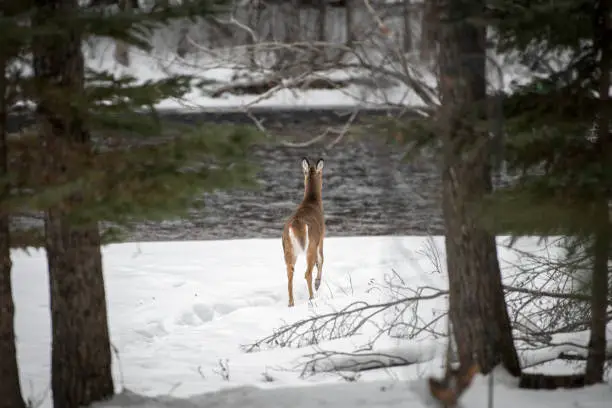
x=304 y=231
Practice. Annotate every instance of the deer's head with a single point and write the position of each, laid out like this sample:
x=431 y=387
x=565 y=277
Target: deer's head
x=313 y=178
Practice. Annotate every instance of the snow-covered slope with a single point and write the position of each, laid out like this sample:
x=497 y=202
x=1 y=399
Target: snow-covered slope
x=181 y=312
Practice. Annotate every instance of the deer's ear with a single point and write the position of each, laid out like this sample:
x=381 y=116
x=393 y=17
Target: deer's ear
x=320 y=164
x=305 y=165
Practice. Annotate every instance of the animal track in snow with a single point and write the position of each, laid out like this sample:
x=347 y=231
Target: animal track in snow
x=153 y=329
x=201 y=313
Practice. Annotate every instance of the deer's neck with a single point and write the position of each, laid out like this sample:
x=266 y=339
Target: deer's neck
x=312 y=193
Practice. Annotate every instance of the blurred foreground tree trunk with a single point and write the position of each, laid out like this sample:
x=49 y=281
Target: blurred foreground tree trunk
x=477 y=309
x=10 y=389
x=81 y=355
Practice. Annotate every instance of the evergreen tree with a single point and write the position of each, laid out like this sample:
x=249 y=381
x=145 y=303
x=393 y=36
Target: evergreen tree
x=560 y=149
x=457 y=133
x=554 y=141
x=100 y=153
x=10 y=388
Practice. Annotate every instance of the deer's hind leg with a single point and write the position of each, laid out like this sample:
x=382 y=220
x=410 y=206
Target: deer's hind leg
x=290 y=259
x=290 y=269
x=311 y=258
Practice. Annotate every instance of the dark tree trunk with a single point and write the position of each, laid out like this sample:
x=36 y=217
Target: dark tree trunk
x=183 y=46
x=319 y=53
x=10 y=388
x=322 y=21
x=81 y=355
x=348 y=22
x=429 y=29
x=407 y=14
x=596 y=358
x=603 y=238
x=478 y=314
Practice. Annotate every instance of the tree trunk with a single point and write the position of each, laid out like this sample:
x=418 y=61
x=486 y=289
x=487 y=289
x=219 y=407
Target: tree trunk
x=407 y=14
x=287 y=58
x=603 y=238
x=320 y=54
x=596 y=358
x=81 y=355
x=429 y=29
x=183 y=46
x=349 y=22
x=477 y=308
x=254 y=13
x=322 y=21
x=10 y=388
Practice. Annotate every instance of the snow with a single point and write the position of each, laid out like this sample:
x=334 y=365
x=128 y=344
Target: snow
x=373 y=395
x=220 y=67
x=181 y=314
x=220 y=70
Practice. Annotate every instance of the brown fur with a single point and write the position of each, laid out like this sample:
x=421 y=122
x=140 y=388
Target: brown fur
x=308 y=214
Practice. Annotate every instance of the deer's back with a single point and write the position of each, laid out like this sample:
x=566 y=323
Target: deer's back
x=311 y=214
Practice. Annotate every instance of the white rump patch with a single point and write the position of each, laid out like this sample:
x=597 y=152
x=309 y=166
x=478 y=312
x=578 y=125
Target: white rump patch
x=295 y=243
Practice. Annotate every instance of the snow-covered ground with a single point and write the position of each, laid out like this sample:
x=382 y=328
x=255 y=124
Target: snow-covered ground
x=181 y=312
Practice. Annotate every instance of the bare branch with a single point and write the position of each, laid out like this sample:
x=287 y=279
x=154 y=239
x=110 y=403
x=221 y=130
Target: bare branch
x=574 y=296
x=328 y=361
x=337 y=324
x=344 y=129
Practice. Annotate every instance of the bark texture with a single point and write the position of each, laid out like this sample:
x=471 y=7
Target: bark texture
x=430 y=27
x=10 y=388
x=349 y=22
x=596 y=359
x=81 y=355
x=478 y=314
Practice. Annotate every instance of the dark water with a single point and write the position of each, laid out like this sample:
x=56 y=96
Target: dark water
x=367 y=189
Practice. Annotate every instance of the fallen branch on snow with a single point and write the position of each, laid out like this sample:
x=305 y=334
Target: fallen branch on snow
x=367 y=359
x=343 y=323
x=261 y=86
x=332 y=361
